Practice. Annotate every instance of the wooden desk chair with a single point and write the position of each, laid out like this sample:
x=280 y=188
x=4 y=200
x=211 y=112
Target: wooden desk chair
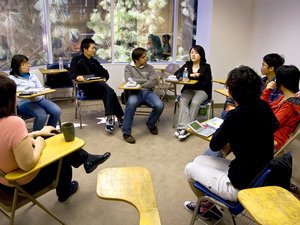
x=293 y=136
x=132 y=185
x=163 y=87
x=80 y=102
x=271 y=205
x=227 y=208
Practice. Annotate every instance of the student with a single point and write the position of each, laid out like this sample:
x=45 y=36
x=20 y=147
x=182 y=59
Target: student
x=20 y=149
x=286 y=107
x=154 y=47
x=39 y=107
x=248 y=129
x=167 y=49
x=269 y=65
x=193 y=95
x=85 y=64
x=144 y=74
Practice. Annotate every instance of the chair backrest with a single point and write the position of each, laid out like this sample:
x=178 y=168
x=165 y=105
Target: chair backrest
x=171 y=68
x=289 y=141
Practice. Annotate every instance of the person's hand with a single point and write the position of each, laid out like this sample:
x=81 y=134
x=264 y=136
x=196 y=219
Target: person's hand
x=226 y=150
x=271 y=85
x=48 y=131
x=40 y=142
x=298 y=94
x=80 y=78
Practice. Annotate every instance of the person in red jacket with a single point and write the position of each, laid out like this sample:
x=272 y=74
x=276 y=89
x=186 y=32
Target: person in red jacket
x=286 y=107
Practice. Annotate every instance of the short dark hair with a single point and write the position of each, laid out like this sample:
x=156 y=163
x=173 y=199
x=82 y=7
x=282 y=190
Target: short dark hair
x=167 y=36
x=8 y=96
x=85 y=43
x=274 y=60
x=137 y=53
x=16 y=62
x=244 y=85
x=200 y=50
x=288 y=76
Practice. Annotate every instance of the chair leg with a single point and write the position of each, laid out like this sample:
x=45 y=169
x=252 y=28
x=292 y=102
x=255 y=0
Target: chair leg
x=175 y=110
x=37 y=203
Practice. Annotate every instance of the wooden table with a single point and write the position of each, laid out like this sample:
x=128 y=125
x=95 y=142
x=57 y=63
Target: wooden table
x=132 y=185
x=175 y=82
x=32 y=96
x=222 y=92
x=56 y=148
x=271 y=205
x=219 y=81
x=123 y=87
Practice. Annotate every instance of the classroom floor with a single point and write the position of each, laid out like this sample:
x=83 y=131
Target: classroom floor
x=163 y=155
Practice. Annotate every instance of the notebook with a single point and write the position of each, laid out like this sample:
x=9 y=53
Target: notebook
x=198 y=128
x=91 y=77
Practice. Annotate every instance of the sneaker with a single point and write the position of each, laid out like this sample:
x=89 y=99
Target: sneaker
x=189 y=205
x=153 y=130
x=183 y=135
x=73 y=189
x=110 y=123
x=120 y=120
x=207 y=210
x=178 y=133
x=128 y=138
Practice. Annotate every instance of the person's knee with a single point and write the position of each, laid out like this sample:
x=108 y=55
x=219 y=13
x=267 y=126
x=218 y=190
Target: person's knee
x=159 y=106
x=132 y=102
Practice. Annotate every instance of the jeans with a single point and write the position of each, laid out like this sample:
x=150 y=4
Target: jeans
x=209 y=152
x=39 y=110
x=148 y=98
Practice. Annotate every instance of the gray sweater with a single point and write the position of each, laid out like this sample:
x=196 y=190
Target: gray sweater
x=144 y=75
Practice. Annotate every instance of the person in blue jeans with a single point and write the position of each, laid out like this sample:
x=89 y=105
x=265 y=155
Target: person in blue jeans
x=39 y=107
x=144 y=74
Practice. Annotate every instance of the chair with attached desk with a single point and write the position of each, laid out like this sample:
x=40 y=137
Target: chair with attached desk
x=163 y=87
x=227 y=208
x=132 y=185
x=81 y=102
x=56 y=148
x=271 y=205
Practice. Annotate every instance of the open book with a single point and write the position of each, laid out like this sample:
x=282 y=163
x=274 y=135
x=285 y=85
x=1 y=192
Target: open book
x=206 y=129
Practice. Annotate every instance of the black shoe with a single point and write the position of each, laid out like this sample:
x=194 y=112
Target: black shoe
x=73 y=189
x=128 y=138
x=153 y=130
x=95 y=160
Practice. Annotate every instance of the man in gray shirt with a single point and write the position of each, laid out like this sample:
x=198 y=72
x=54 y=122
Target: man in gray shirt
x=141 y=73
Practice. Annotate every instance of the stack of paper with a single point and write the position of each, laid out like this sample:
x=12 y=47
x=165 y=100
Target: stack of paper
x=214 y=122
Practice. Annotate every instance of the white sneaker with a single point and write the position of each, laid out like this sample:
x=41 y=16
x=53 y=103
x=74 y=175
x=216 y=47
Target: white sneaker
x=183 y=135
x=178 y=133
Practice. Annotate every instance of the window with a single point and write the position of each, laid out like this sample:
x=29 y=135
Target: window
x=165 y=28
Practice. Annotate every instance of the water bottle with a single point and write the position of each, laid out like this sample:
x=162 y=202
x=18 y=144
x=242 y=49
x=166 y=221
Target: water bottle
x=60 y=63
x=185 y=75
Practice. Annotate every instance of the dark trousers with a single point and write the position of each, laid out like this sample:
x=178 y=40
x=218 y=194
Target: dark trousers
x=101 y=90
x=47 y=175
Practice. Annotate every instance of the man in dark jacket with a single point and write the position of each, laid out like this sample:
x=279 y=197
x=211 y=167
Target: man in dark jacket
x=85 y=64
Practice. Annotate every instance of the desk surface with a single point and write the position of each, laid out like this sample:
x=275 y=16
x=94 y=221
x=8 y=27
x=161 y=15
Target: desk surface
x=219 y=81
x=271 y=205
x=91 y=81
x=43 y=92
x=132 y=185
x=56 y=148
x=122 y=86
x=52 y=71
x=222 y=92
x=182 y=82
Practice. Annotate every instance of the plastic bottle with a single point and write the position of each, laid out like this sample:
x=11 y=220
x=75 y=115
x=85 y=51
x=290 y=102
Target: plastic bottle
x=60 y=63
x=185 y=75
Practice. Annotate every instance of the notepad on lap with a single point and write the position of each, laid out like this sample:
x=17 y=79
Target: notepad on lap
x=91 y=77
x=198 y=128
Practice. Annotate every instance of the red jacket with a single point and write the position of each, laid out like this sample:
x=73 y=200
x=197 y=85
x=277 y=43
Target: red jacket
x=287 y=113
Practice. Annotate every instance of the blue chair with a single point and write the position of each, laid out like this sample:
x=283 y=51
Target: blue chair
x=228 y=209
x=207 y=107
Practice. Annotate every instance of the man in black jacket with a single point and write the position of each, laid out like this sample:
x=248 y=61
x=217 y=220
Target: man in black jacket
x=85 y=64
